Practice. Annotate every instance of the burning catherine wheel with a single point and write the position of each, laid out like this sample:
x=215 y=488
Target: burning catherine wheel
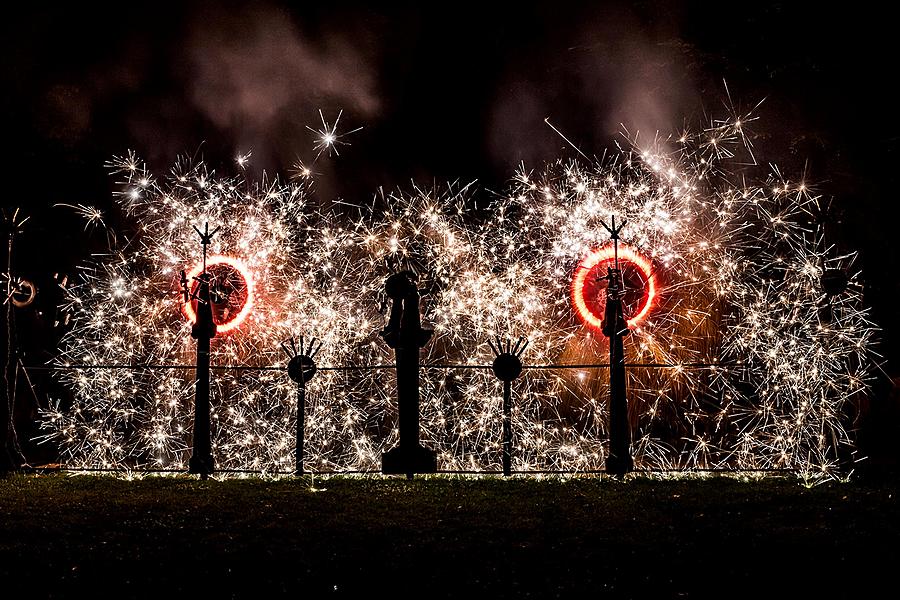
x=589 y=285
x=231 y=291
x=22 y=293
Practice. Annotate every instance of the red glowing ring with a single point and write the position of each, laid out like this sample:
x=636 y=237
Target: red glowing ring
x=244 y=272
x=596 y=257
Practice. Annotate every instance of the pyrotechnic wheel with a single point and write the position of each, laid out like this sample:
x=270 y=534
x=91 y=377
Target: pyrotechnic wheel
x=589 y=286
x=23 y=293
x=231 y=291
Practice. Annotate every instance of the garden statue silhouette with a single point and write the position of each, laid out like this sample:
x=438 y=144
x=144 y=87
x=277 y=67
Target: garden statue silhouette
x=404 y=333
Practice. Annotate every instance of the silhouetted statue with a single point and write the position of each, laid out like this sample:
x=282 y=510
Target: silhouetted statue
x=404 y=333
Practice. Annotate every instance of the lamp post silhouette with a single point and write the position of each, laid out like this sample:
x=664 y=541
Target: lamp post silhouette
x=507 y=366
x=615 y=327
x=203 y=330
x=301 y=368
x=11 y=456
x=405 y=334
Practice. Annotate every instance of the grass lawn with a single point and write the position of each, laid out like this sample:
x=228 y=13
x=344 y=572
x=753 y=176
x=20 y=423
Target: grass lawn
x=441 y=536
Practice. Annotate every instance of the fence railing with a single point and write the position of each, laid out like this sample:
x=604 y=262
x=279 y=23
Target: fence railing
x=558 y=424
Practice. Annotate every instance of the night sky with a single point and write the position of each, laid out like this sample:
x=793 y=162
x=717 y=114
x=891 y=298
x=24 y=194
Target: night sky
x=455 y=92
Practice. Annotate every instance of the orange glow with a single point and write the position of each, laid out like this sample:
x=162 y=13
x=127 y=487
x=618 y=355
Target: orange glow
x=604 y=255
x=235 y=321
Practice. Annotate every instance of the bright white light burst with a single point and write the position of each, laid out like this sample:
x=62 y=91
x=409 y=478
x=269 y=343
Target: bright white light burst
x=759 y=337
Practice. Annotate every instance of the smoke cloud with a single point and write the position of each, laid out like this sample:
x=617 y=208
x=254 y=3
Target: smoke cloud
x=255 y=73
x=614 y=71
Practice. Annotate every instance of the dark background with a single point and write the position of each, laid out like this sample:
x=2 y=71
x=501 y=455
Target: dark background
x=443 y=92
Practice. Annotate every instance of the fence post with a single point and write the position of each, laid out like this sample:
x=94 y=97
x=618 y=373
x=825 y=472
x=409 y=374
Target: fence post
x=301 y=368
x=507 y=367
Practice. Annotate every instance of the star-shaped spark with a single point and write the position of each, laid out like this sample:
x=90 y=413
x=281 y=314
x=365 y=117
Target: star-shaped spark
x=300 y=171
x=92 y=216
x=243 y=159
x=327 y=137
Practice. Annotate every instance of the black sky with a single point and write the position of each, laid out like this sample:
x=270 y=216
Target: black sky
x=443 y=92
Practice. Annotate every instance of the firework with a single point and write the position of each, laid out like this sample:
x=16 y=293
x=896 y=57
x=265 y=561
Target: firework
x=749 y=337
x=327 y=138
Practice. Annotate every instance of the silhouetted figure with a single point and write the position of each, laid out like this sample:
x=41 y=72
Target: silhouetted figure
x=619 y=460
x=404 y=333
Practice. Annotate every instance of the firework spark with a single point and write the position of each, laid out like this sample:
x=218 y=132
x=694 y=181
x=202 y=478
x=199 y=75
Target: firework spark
x=92 y=216
x=242 y=160
x=750 y=338
x=327 y=138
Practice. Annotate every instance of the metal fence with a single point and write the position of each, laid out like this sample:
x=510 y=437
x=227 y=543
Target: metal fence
x=558 y=420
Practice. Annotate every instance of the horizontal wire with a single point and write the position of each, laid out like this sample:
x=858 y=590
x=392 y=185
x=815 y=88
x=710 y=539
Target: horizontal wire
x=710 y=366
x=438 y=472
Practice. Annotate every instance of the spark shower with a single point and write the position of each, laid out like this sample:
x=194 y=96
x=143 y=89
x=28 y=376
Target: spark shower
x=750 y=339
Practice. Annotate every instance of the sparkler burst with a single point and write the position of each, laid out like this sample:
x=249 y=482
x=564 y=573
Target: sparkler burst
x=749 y=342
x=328 y=138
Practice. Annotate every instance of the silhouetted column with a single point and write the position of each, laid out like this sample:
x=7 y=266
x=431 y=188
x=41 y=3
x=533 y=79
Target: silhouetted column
x=203 y=330
x=404 y=333
x=619 y=460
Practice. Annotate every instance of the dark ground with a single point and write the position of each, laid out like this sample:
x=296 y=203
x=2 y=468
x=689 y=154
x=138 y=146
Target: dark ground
x=88 y=536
